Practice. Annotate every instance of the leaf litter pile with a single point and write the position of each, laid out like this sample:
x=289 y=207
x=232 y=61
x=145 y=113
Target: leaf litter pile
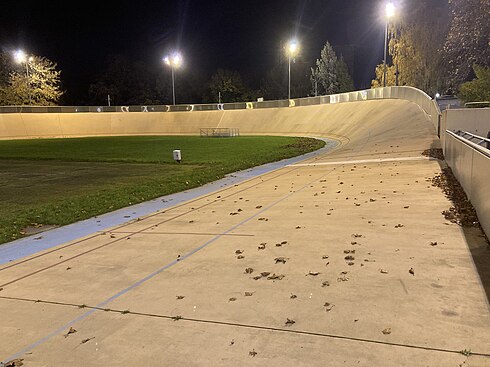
x=434 y=153
x=462 y=212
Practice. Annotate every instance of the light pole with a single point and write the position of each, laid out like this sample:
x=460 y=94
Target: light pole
x=174 y=61
x=389 y=13
x=20 y=57
x=291 y=50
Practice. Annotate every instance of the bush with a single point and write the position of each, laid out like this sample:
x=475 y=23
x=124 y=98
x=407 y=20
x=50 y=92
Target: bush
x=477 y=90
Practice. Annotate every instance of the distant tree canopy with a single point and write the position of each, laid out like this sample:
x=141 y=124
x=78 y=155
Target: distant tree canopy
x=468 y=40
x=230 y=85
x=331 y=74
x=126 y=82
x=35 y=82
x=390 y=76
x=275 y=84
x=415 y=47
x=131 y=82
x=434 y=44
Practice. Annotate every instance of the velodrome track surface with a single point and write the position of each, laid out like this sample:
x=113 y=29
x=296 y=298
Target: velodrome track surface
x=326 y=262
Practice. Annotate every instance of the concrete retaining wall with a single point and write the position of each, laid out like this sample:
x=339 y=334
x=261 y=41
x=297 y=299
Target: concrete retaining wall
x=472 y=169
x=42 y=122
x=379 y=119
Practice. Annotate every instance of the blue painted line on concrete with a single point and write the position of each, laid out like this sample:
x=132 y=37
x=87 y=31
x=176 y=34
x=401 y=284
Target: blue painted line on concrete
x=36 y=243
x=152 y=275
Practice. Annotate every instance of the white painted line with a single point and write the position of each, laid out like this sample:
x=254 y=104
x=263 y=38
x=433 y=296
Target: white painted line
x=375 y=160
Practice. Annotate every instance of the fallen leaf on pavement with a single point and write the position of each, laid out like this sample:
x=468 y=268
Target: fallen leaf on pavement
x=276 y=276
x=71 y=331
x=14 y=363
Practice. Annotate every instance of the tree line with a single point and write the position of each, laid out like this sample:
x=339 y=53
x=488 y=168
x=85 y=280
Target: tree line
x=440 y=47
x=434 y=46
x=37 y=82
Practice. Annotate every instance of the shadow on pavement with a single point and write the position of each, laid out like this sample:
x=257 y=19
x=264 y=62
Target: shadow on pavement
x=480 y=251
x=464 y=214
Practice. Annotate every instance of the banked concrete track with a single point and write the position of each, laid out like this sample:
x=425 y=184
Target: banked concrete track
x=328 y=262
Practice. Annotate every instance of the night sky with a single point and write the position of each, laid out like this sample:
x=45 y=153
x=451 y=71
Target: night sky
x=246 y=36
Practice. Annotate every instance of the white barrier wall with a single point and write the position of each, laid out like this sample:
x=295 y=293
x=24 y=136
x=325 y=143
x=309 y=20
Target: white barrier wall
x=472 y=169
x=472 y=120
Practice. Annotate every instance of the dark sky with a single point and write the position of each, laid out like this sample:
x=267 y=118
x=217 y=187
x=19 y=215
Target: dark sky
x=246 y=36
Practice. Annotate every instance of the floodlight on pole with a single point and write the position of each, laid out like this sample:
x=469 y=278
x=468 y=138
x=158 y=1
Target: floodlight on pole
x=292 y=50
x=20 y=57
x=389 y=13
x=174 y=61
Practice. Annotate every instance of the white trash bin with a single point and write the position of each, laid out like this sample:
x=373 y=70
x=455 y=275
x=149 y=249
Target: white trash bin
x=177 y=155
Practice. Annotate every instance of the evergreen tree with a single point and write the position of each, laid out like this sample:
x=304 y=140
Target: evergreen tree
x=331 y=74
x=324 y=75
x=345 y=82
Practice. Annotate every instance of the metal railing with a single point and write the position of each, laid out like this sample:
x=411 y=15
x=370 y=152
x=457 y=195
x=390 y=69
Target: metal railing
x=475 y=139
x=219 y=132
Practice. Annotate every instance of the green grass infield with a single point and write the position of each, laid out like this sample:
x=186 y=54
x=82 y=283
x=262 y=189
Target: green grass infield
x=54 y=182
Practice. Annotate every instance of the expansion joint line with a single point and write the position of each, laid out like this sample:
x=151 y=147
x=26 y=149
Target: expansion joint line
x=252 y=326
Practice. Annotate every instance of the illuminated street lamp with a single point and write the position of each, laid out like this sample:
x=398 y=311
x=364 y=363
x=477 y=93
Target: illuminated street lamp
x=292 y=50
x=20 y=57
x=389 y=13
x=174 y=61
